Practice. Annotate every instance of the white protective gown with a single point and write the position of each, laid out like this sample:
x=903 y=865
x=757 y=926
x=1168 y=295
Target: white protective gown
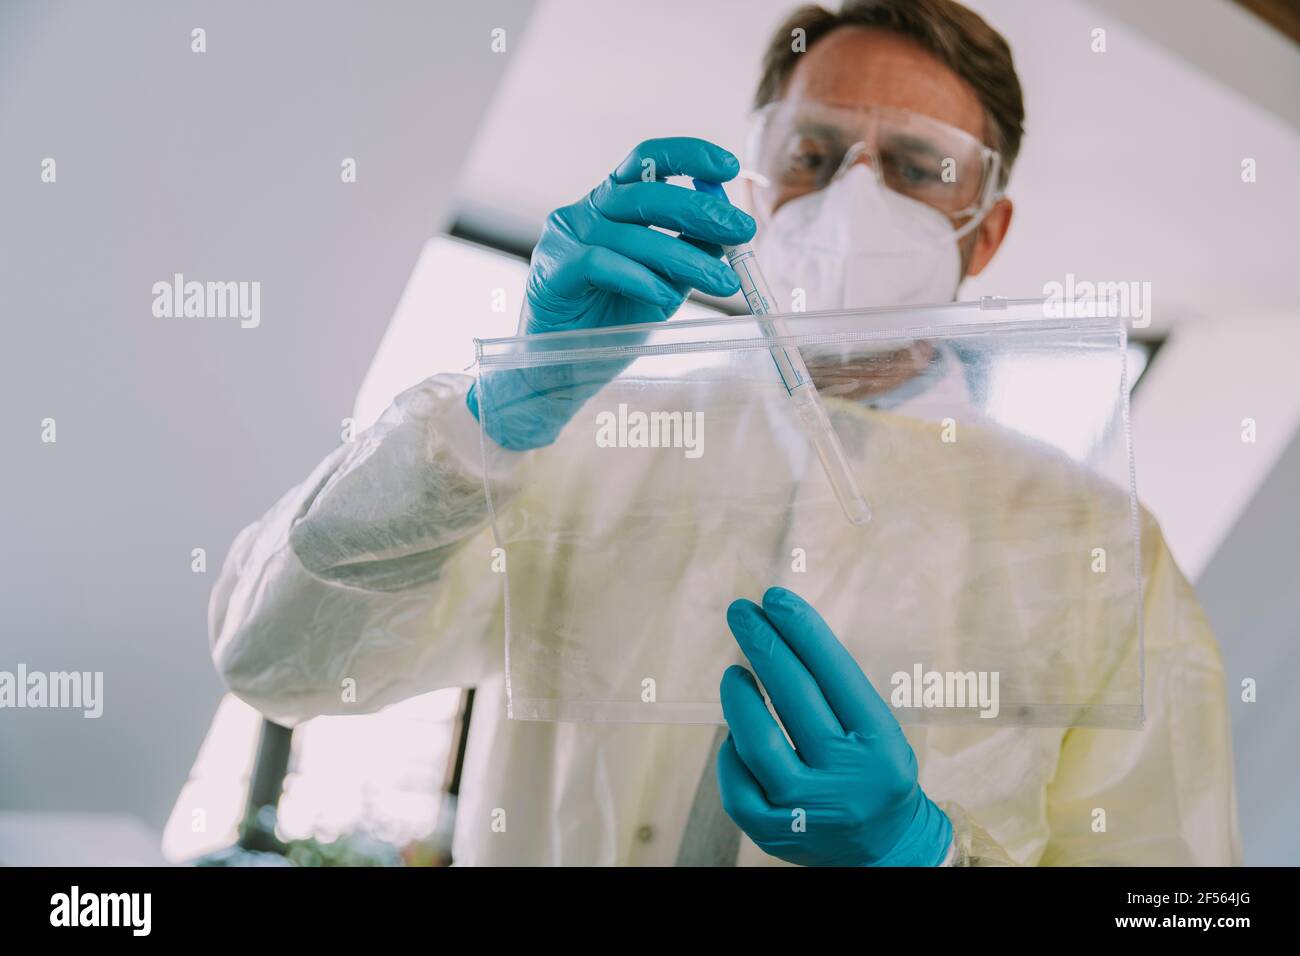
x=373 y=570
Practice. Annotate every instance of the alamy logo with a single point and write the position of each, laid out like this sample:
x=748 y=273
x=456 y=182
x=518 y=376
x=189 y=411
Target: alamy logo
x=179 y=299
x=103 y=909
x=638 y=429
x=55 y=690
x=1073 y=299
x=945 y=689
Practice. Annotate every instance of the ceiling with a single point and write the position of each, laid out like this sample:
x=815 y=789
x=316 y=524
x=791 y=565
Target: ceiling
x=1130 y=170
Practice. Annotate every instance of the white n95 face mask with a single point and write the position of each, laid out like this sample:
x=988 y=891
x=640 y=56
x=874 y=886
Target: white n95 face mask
x=855 y=244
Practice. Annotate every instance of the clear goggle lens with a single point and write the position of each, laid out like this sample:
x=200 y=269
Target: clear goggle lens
x=798 y=147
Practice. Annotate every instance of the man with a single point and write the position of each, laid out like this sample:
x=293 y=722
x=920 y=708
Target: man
x=373 y=571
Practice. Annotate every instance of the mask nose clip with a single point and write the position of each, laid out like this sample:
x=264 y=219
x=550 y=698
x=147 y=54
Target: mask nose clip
x=859 y=152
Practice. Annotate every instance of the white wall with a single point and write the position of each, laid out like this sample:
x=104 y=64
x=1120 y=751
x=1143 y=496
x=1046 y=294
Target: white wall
x=1213 y=417
x=173 y=433
x=1251 y=593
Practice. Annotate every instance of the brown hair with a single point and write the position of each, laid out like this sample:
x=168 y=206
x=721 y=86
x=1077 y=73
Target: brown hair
x=957 y=36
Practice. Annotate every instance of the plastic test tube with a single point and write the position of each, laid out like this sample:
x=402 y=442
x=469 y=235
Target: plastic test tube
x=794 y=375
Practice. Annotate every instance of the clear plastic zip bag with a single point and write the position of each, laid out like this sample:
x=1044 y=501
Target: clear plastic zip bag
x=643 y=478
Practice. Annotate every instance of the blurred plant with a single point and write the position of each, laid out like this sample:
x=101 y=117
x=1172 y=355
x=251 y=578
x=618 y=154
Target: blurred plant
x=350 y=849
x=260 y=846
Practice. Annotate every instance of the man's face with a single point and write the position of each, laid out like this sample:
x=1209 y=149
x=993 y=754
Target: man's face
x=857 y=66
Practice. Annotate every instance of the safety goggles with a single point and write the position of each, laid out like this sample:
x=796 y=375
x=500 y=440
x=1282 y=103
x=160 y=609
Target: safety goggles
x=797 y=147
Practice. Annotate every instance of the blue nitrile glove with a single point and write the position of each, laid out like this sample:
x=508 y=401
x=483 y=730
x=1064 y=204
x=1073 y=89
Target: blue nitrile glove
x=851 y=771
x=599 y=264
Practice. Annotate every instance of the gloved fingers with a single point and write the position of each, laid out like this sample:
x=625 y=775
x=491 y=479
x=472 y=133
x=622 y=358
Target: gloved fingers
x=687 y=211
x=600 y=268
x=742 y=796
x=795 y=695
x=677 y=156
x=711 y=249
x=757 y=736
x=670 y=257
x=854 y=701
